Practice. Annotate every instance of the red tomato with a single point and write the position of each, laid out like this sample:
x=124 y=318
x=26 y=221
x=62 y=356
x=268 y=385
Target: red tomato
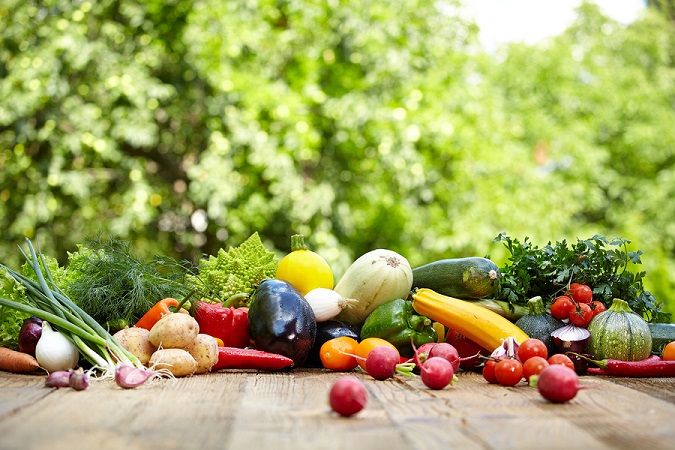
x=559 y=358
x=489 y=371
x=509 y=372
x=534 y=366
x=597 y=306
x=532 y=347
x=561 y=307
x=581 y=293
x=582 y=315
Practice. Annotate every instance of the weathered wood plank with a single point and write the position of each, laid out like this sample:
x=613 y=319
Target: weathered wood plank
x=258 y=410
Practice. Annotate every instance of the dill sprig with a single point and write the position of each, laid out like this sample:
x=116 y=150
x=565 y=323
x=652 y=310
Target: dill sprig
x=113 y=285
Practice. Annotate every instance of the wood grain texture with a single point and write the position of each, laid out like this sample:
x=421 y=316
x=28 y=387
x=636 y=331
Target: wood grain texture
x=289 y=410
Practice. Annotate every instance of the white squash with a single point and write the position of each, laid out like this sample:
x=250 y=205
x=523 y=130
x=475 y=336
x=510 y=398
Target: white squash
x=375 y=278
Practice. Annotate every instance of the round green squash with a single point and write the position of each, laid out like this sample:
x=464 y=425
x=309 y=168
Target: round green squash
x=539 y=323
x=619 y=333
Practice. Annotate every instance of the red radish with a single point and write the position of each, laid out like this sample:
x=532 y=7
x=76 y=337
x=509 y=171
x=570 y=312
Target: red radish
x=348 y=396
x=383 y=362
x=558 y=383
x=422 y=354
x=437 y=372
x=448 y=352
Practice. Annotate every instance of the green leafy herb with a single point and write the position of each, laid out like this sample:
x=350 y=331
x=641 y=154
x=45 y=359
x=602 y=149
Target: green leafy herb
x=111 y=284
x=598 y=262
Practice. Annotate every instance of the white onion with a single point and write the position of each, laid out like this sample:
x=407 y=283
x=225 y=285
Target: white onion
x=54 y=351
x=326 y=303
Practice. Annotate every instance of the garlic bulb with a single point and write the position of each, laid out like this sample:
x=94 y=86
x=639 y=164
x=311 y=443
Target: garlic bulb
x=326 y=303
x=54 y=351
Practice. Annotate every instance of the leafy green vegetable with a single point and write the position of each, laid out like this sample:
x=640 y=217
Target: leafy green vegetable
x=111 y=284
x=598 y=262
x=235 y=271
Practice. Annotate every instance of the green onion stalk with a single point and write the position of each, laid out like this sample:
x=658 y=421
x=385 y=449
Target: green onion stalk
x=50 y=303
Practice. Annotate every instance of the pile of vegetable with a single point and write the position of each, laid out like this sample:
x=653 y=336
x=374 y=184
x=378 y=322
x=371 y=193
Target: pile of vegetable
x=598 y=262
x=542 y=319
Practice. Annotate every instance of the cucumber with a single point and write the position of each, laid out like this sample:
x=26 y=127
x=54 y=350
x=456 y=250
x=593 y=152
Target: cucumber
x=463 y=278
x=662 y=334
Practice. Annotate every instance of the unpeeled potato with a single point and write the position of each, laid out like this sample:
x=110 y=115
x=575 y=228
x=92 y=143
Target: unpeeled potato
x=136 y=341
x=174 y=331
x=176 y=360
x=204 y=349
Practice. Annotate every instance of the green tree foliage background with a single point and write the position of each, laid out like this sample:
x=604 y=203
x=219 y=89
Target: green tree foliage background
x=184 y=126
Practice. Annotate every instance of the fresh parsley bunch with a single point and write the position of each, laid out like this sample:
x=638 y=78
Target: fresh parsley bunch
x=598 y=262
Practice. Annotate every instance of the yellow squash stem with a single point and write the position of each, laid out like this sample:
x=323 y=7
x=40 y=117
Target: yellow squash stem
x=486 y=328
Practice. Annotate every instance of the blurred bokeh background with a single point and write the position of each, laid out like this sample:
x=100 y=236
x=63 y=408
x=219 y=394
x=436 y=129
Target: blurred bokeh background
x=186 y=125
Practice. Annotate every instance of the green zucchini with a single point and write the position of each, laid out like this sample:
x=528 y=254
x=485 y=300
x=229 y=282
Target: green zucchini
x=463 y=278
x=662 y=334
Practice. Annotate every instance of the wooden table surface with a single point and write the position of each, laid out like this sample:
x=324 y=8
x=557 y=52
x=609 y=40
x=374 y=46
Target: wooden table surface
x=289 y=410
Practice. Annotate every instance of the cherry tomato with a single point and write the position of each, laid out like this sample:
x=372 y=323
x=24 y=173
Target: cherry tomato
x=669 y=352
x=582 y=315
x=534 y=366
x=597 y=306
x=581 y=293
x=561 y=307
x=509 y=372
x=489 y=371
x=532 y=347
x=559 y=358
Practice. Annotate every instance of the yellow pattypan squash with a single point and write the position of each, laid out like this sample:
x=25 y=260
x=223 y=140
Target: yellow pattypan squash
x=303 y=268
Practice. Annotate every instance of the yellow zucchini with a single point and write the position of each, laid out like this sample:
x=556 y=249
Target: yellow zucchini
x=486 y=328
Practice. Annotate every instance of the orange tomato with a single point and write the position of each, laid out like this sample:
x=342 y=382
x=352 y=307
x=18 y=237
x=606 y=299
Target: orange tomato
x=338 y=354
x=669 y=352
x=368 y=344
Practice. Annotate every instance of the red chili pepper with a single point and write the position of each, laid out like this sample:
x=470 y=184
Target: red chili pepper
x=653 y=366
x=248 y=358
x=230 y=325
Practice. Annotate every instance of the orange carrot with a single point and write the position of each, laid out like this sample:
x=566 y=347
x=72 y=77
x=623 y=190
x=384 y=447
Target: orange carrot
x=17 y=362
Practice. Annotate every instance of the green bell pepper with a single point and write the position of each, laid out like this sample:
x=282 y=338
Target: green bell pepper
x=397 y=323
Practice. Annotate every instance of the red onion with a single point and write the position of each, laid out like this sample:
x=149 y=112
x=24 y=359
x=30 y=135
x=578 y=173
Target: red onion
x=30 y=334
x=571 y=338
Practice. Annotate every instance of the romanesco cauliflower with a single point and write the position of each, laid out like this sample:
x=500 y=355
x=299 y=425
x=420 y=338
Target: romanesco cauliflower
x=235 y=271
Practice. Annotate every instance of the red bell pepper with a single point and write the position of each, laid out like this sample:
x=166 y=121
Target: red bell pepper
x=248 y=358
x=230 y=325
